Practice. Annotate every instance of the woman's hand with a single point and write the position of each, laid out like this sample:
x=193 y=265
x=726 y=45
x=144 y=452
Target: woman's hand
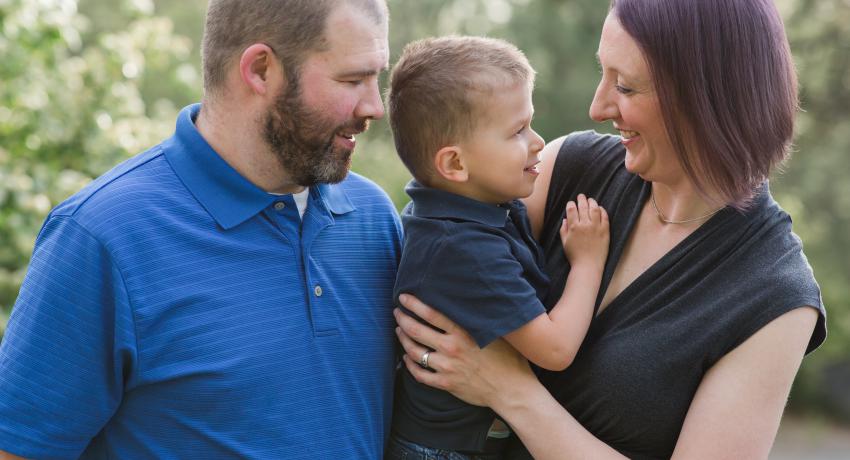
x=495 y=376
x=483 y=377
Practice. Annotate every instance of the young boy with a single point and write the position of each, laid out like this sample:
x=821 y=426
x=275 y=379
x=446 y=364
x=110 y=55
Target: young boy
x=460 y=110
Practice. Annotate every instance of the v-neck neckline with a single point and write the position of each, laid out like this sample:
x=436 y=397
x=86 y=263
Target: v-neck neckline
x=620 y=246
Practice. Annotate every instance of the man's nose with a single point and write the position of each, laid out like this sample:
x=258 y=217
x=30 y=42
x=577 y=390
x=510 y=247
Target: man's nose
x=371 y=105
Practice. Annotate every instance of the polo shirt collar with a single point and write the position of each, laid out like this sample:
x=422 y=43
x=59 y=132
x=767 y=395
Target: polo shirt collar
x=439 y=204
x=335 y=198
x=227 y=196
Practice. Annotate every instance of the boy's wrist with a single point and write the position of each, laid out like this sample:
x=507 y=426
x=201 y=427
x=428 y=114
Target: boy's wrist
x=587 y=263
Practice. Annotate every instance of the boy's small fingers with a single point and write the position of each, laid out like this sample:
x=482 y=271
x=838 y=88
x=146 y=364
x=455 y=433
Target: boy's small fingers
x=572 y=213
x=582 y=207
x=595 y=211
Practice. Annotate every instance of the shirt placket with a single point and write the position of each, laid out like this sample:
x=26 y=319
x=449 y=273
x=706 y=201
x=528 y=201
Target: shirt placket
x=320 y=296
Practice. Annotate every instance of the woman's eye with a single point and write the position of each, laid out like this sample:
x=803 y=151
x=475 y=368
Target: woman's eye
x=622 y=89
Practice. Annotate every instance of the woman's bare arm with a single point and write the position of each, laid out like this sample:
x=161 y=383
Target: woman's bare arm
x=738 y=405
x=735 y=413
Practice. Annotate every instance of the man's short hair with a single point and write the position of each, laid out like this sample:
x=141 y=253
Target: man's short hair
x=292 y=28
x=438 y=92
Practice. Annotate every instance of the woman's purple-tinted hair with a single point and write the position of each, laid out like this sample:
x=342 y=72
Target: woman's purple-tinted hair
x=726 y=85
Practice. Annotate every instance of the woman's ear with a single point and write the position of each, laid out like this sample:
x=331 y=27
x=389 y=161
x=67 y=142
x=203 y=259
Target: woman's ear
x=254 y=68
x=450 y=165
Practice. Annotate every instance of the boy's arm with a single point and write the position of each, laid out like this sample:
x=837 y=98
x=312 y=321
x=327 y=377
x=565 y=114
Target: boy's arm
x=552 y=341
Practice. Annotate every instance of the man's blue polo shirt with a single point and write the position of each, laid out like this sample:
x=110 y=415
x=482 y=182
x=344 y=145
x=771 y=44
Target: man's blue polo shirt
x=174 y=310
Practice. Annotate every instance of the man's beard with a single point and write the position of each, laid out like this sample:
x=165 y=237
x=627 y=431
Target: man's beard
x=304 y=140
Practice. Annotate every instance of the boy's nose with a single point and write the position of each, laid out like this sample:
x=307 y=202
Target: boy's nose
x=537 y=142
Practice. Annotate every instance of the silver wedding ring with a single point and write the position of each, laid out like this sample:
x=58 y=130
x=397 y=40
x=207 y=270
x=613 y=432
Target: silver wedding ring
x=423 y=361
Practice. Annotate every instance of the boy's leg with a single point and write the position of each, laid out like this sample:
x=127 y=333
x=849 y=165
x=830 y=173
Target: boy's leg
x=400 y=449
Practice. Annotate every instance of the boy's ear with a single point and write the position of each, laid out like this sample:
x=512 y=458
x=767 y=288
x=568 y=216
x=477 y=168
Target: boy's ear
x=450 y=165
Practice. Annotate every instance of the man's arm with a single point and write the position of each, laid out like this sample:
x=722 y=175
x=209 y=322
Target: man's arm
x=8 y=456
x=69 y=341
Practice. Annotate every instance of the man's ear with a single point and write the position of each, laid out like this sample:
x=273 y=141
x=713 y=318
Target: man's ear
x=254 y=67
x=449 y=164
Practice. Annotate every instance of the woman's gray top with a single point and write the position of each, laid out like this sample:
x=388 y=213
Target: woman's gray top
x=644 y=356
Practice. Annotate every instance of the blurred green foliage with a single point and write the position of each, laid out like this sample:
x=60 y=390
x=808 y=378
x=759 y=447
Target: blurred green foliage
x=88 y=83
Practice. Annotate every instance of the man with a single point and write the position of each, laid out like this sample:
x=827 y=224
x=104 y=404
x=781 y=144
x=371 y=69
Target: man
x=226 y=294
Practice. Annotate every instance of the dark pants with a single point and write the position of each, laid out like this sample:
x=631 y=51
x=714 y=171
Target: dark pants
x=399 y=449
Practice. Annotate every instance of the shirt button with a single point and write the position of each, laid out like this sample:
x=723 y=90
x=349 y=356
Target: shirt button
x=317 y=290
x=279 y=206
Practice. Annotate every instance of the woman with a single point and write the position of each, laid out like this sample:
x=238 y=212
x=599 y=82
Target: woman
x=707 y=303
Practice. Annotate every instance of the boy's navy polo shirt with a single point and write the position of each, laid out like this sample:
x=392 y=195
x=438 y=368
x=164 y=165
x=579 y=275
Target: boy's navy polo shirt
x=174 y=310
x=478 y=264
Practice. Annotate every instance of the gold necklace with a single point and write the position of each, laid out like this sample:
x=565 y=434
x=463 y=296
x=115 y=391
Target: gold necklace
x=677 y=222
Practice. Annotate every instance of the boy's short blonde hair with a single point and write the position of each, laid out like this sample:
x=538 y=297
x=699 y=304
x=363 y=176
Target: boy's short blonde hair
x=438 y=93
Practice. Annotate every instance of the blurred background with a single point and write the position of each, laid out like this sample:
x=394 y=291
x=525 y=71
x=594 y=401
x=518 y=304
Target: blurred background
x=85 y=84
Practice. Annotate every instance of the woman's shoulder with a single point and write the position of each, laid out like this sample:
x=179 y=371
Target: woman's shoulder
x=771 y=261
x=582 y=149
x=588 y=139
x=584 y=162
x=591 y=163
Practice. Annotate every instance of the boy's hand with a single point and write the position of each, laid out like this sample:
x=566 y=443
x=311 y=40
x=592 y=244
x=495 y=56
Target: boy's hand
x=585 y=233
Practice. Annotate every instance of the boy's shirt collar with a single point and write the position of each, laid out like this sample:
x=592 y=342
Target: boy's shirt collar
x=439 y=204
